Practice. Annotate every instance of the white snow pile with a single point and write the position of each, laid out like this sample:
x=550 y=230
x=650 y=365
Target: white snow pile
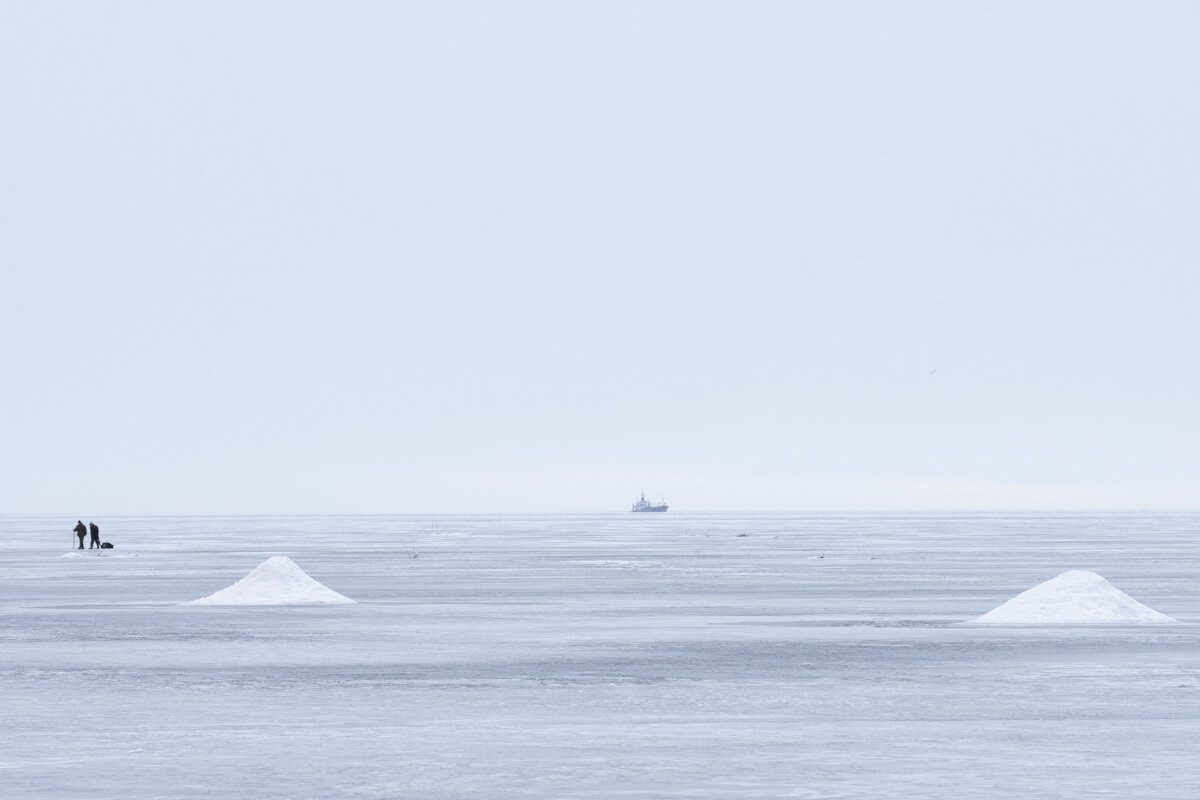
x=278 y=581
x=1076 y=597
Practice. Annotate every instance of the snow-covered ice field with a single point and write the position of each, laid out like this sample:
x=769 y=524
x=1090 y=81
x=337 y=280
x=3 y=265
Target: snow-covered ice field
x=624 y=655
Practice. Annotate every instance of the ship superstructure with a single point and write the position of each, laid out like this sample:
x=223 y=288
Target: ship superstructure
x=642 y=505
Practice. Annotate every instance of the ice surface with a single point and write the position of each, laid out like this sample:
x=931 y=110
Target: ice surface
x=278 y=581
x=1075 y=597
x=627 y=656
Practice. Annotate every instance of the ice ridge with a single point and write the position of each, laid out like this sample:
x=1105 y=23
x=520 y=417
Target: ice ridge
x=278 y=581
x=1075 y=597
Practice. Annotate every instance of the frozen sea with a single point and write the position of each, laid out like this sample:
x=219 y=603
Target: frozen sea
x=601 y=656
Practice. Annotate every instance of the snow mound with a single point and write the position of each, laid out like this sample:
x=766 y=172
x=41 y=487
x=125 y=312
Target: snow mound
x=278 y=581
x=1073 y=598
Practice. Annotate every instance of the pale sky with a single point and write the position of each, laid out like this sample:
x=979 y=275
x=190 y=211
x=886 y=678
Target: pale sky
x=489 y=257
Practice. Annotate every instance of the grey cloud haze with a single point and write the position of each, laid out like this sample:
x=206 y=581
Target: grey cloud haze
x=543 y=256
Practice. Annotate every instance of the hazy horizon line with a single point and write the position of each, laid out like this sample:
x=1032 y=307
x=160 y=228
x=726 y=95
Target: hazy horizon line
x=798 y=512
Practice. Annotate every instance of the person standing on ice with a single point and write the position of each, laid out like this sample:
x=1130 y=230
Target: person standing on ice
x=81 y=532
x=95 y=540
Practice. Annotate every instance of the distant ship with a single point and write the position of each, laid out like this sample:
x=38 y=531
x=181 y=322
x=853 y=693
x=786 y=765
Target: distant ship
x=642 y=505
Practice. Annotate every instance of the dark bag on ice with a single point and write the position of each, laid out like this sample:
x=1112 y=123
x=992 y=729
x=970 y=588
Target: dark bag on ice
x=106 y=545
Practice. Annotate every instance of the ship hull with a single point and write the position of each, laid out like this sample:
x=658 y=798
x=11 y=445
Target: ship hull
x=651 y=508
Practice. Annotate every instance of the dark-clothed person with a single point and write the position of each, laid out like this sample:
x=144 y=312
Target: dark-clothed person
x=95 y=540
x=81 y=532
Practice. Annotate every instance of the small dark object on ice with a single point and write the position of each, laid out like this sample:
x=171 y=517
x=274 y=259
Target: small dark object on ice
x=741 y=535
x=106 y=546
